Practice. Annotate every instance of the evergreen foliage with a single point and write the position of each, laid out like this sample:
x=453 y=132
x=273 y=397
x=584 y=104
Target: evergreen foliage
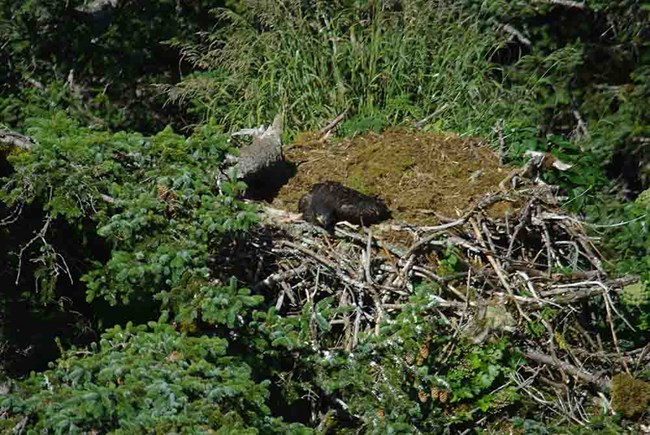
x=143 y=211
x=143 y=379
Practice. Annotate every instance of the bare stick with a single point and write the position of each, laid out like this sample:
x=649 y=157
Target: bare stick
x=39 y=235
x=498 y=128
x=107 y=199
x=523 y=216
x=277 y=277
x=608 y=310
x=516 y=34
x=333 y=123
x=367 y=258
x=499 y=272
x=569 y=368
x=421 y=123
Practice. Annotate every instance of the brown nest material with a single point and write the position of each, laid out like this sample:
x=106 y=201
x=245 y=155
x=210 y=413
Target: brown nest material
x=509 y=272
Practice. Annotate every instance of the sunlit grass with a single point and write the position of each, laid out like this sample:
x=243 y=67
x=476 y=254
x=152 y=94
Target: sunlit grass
x=311 y=63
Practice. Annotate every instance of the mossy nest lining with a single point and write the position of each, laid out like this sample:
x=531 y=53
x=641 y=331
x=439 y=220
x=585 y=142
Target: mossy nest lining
x=418 y=174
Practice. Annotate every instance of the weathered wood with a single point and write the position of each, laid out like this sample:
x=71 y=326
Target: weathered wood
x=261 y=164
x=96 y=6
x=12 y=139
x=265 y=151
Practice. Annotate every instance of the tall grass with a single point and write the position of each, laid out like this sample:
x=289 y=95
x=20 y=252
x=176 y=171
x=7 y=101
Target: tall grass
x=312 y=62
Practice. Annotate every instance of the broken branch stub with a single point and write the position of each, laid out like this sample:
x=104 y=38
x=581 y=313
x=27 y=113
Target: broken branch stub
x=13 y=139
x=261 y=164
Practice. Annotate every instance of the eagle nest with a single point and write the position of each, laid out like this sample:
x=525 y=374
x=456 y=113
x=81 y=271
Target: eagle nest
x=506 y=271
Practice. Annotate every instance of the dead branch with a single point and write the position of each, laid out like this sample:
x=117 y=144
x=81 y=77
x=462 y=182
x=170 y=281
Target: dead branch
x=565 y=3
x=332 y=124
x=13 y=139
x=569 y=368
x=421 y=123
x=516 y=34
x=498 y=129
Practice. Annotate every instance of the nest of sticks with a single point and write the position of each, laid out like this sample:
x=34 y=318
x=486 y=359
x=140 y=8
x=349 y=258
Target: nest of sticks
x=507 y=271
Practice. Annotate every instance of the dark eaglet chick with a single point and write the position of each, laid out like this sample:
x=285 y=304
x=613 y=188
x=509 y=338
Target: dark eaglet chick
x=330 y=202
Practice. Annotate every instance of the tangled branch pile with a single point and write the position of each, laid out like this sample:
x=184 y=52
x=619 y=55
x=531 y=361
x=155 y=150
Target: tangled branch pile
x=534 y=274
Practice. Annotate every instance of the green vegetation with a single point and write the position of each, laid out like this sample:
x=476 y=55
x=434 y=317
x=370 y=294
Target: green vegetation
x=114 y=316
x=396 y=63
x=629 y=396
x=142 y=379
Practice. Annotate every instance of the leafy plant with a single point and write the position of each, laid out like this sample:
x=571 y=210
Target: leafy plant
x=106 y=60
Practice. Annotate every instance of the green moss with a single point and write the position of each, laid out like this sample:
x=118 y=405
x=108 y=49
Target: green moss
x=644 y=198
x=630 y=396
x=636 y=294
